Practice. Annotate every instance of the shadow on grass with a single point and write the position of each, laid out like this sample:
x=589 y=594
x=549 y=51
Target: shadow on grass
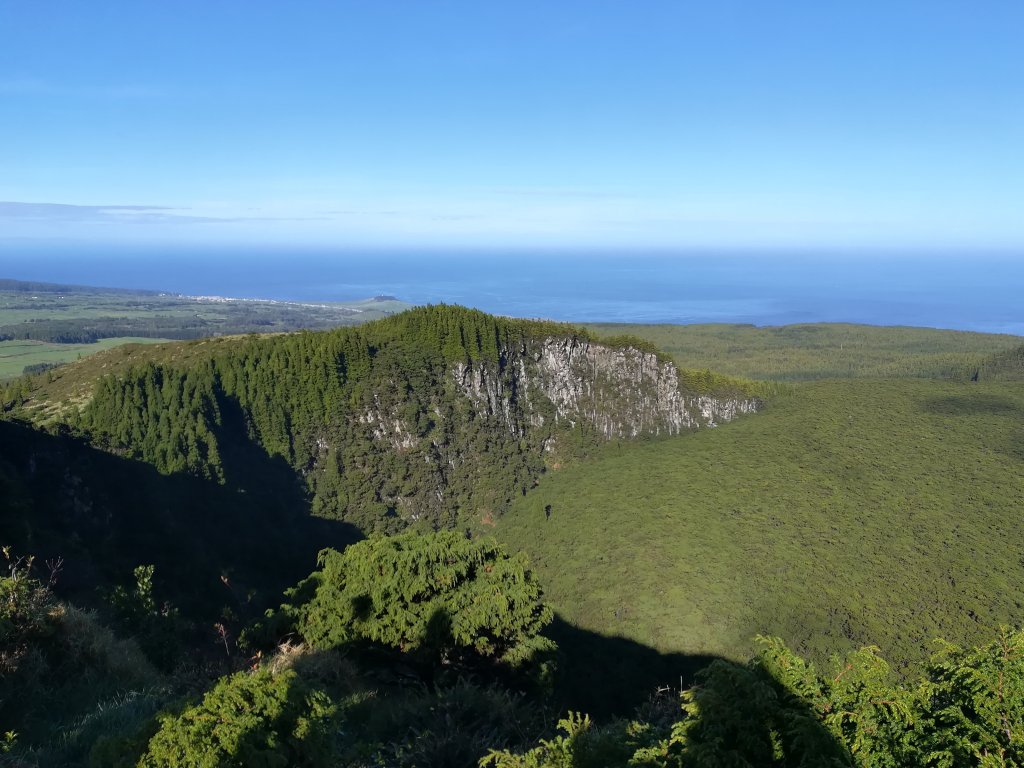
x=609 y=675
x=974 y=404
x=980 y=405
x=742 y=714
x=452 y=717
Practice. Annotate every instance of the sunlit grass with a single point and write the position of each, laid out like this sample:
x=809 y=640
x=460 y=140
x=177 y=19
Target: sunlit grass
x=819 y=350
x=15 y=355
x=847 y=513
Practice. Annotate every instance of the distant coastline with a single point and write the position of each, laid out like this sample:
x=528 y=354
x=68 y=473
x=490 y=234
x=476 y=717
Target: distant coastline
x=974 y=292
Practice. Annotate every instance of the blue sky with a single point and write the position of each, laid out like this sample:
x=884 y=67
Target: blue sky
x=480 y=124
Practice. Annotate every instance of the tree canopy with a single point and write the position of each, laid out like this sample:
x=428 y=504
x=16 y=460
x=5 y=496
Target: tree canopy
x=441 y=595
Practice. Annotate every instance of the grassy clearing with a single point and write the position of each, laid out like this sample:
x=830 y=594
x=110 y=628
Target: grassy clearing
x=15 y=355
x=819 y=351
x=847 y=513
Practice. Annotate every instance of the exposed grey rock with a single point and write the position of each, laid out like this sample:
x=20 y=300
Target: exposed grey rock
x=620 y=391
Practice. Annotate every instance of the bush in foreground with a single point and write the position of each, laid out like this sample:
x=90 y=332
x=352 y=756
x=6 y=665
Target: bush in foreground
x=256 y=719
x=440 y=596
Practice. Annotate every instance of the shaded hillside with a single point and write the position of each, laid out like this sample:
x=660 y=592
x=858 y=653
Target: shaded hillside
x=104 y=515
x=846 y=513
x=436 y=414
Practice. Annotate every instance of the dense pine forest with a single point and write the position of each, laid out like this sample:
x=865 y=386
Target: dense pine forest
x=450 y=539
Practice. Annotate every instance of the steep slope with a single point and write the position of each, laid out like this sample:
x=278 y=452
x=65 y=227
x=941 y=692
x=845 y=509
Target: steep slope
x=431 y=416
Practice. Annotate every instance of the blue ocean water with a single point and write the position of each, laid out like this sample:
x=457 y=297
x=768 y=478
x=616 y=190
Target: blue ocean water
x=968 y=292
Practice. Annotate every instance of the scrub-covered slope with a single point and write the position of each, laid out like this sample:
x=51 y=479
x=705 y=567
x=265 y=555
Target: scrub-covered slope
x=846 y=513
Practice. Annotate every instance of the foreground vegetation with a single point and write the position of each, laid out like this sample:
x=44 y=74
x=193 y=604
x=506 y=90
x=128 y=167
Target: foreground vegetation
x=777 y=710
x=177 y=613
x=464 y=701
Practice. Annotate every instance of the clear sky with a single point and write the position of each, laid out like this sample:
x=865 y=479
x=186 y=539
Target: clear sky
x=631 y=123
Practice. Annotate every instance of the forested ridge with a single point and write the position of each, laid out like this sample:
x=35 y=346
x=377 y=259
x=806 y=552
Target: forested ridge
x=370 y=418
x=168 y=600
x=424 y=417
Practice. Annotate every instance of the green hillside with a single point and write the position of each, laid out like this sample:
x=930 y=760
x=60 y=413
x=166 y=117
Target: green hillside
x=845 y=514
x=820 y=350
x=1007 y=365
x=171 y=493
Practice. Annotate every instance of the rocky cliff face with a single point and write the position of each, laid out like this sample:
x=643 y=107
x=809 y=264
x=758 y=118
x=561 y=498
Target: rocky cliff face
x=621 y=392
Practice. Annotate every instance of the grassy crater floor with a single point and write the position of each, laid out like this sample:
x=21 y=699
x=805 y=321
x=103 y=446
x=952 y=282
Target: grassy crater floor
x=845 y=514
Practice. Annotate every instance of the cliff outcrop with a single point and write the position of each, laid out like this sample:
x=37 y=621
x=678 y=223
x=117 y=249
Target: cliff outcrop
x=619 y=391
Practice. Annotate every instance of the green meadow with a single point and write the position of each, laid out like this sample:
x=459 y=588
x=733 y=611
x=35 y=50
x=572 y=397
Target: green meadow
x=819 y=350
x=16 y=355
x=847 y=513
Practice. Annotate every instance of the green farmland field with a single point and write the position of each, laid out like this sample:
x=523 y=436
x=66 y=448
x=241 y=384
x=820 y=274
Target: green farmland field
x=15 y=355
